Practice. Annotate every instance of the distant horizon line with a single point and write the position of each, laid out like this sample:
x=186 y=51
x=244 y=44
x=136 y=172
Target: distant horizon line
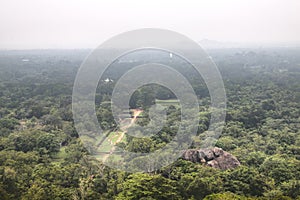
x=204 y=43
x=90 y=49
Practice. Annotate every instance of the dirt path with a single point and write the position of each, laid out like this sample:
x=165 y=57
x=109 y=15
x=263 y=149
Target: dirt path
x=135 y=114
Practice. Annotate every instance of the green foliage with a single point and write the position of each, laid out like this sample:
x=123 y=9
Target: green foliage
x=41 y=156
x=44 y=143
x=227 y=196
x=280 y=168
x=291 y=188
x=144 y=186
x=246 y=180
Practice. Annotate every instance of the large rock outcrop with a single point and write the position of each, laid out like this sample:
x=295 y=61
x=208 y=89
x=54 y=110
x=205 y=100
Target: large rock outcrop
x=214 y=157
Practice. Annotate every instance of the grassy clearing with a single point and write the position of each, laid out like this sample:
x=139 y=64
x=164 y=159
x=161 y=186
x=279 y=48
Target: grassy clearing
x=113 y=136
x=108 y=143
x=105 y=146
x=168 y=102
x=115 y=158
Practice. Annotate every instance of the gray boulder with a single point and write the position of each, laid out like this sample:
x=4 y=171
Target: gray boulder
x=214 y=157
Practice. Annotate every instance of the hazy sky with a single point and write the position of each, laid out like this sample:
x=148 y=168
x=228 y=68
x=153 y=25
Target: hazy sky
x=86 y=23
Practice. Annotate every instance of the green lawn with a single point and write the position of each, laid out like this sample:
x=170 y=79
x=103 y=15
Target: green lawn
x=105 y=146
x=168 y=102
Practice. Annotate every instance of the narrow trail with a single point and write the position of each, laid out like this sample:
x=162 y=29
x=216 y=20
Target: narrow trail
x=136 y=113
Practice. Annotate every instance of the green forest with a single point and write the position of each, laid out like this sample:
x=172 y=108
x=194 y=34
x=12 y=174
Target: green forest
x=43 y=158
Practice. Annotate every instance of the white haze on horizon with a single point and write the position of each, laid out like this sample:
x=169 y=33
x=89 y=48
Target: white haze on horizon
x=40 y=24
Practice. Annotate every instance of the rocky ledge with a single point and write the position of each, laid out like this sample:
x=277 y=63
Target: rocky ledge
x=214 y=157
